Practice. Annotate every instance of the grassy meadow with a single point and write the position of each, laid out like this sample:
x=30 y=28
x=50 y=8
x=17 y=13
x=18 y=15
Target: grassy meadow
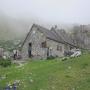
x=71 y=74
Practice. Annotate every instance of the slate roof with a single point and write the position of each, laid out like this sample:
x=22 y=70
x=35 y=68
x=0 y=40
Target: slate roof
x=48 y=33
x=64 y=36
x=55 y=35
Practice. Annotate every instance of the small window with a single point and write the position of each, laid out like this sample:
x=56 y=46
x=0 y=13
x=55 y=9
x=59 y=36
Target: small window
x=59 y=48
x=43 y=44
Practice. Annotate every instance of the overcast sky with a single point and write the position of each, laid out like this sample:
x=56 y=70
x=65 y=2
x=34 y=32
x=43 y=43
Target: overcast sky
x=66 y=11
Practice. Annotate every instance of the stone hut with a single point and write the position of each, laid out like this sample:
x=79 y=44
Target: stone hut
x=41 y=43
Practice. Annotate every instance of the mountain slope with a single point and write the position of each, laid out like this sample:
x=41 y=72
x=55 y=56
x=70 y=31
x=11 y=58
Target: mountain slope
x=11 y=28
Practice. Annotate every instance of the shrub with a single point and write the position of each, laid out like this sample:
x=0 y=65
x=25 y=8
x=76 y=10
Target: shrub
x=5 y=62
x=50 y=57
x=64 y=58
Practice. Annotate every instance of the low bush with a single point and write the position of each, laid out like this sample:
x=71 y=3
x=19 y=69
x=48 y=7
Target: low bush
x=50 y=57
x=5 y=62
x=64 y=58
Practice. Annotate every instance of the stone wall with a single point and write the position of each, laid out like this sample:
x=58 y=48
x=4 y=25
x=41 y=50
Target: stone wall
x=36 y=38
x=53 y=46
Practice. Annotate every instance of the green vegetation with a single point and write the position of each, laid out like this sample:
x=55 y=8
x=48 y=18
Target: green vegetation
x=5 y=63
x=71 y=74
x=10 y=45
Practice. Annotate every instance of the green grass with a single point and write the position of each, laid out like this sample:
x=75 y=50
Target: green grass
x=72 y=74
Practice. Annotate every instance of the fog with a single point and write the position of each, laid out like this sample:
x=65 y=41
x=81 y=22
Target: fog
x=19 y=15
x=66 y=11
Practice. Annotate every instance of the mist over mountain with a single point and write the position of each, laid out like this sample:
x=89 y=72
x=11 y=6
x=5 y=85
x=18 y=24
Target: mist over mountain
x=12 y=28
x=17 y=28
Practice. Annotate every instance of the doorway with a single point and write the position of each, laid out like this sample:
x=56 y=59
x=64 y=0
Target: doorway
x=30 y=50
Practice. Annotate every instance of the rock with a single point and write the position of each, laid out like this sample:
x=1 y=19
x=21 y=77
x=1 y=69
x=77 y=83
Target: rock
x=73 y=89
x=31 y=80
x=69 y=67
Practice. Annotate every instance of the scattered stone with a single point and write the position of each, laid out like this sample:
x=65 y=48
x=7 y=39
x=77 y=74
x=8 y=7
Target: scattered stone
x=4 y=57
x=25 y=86
x=73 y=89
x=20 y=65
x=69 y=67
x=41 y=89
x=17 y=81
x=2 y=77
x=30 y=73
x=11 y=86
x=31 y=80
x=53 y=87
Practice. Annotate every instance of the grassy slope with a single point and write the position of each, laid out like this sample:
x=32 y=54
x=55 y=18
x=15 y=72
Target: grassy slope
x=73 y=74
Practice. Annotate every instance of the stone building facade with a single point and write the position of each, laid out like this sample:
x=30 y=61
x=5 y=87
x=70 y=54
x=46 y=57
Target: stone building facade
x=42 y=43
